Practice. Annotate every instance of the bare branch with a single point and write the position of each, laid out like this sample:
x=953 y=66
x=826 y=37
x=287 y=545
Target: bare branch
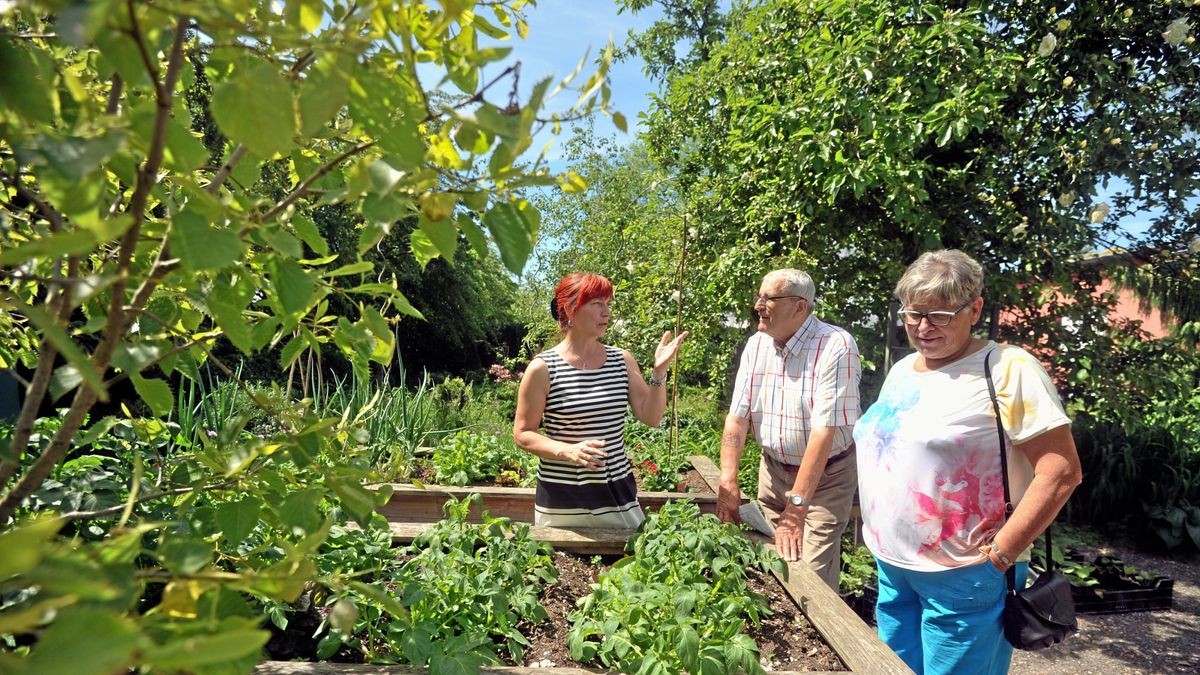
x=114 y=95
x=222 y=174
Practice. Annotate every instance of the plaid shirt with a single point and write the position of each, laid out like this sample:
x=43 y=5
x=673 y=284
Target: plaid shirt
x=812 y=381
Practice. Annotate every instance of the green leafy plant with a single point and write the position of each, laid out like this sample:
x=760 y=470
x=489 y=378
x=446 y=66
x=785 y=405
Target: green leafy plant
x=452 y=600
x=858 y=567
x=679 y=602
x=468 y=457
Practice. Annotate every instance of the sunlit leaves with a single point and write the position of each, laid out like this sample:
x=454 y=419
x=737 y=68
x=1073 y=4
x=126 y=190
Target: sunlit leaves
x=254 y=107
x=514 y=227
x=200 y=246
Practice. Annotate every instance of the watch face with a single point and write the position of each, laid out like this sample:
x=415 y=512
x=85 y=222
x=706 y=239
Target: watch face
x=797 y=500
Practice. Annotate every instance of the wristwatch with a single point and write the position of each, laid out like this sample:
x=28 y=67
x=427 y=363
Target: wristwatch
x=796 y=500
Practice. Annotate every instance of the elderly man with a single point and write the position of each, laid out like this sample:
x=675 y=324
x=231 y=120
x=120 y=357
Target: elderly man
x=797 y=387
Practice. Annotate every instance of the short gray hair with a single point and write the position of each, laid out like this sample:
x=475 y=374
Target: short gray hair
x=795 y=282
x=949 y=276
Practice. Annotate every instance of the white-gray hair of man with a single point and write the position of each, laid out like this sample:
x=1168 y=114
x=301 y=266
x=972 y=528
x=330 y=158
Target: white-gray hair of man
x=795 y=282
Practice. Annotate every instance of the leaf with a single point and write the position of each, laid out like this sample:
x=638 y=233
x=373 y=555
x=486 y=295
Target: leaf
x=571 y=182
x=688 y=649
x=513 y=231
x=238 y=519
x=74 y=157
x=24 y=546
x=443 y=235
x=355 y=498
x=155 y=392
x=293 y=285
x=66 y=347
x=183 y=555
x=71 y=242
x=360 y=267
x=199 y=246
x=474 y=235
x=22 y=88
x=190 y=652
x=307 y=230
x=619 y=122
x=106 y=642
x=322 y=94
x=254 y=108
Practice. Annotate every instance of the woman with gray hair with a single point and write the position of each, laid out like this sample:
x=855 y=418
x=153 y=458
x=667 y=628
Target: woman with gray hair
x=930 y=484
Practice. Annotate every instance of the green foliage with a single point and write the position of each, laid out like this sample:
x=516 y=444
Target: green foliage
x=129 y=249
x=858 y=567
x=1136 y=410
x=467 y=458
x=847 y=138
x=454 y=596
x=679 y=603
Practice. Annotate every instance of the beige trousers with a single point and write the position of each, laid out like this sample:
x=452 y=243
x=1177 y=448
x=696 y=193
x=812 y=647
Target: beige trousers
x=827 y=516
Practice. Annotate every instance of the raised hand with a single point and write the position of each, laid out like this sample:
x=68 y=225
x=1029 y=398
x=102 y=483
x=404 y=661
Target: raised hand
x=667 y=348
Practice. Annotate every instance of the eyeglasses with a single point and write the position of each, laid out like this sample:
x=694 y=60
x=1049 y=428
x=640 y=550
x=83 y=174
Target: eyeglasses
x=772 y=298
x=913 y=318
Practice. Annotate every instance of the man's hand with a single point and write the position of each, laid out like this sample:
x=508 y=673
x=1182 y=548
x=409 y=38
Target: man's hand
x=729 y=501
x=789 y=534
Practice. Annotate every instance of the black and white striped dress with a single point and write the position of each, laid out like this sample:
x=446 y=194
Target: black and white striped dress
x=580 y=405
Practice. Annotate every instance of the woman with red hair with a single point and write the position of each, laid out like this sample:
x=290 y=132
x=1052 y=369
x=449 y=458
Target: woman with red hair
x=571 y=412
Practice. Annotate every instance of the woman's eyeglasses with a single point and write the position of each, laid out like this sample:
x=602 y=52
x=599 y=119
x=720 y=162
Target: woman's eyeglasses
x=913 y=318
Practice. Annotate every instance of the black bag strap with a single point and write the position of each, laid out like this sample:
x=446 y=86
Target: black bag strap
x=1008 y=507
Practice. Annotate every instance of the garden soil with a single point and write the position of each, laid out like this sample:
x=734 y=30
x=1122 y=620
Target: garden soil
x=786 y=640
x=1163 y=641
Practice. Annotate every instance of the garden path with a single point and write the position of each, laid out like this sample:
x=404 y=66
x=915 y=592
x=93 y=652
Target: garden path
x=1165 y=641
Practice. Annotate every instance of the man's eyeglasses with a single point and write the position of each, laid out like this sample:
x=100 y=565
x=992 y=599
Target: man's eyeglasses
x=913 y=318
x=772 y=298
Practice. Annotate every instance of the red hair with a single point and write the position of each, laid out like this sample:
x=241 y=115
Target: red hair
x=577 y=289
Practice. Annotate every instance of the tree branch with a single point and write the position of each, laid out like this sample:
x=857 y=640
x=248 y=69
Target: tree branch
x=117 y=323
x=302 y=187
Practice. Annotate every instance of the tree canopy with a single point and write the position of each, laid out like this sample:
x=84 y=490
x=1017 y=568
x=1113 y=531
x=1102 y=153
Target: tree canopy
x=846 y=138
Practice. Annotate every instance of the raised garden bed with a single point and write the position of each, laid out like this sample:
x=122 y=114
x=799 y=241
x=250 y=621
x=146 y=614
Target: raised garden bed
x=411 y=510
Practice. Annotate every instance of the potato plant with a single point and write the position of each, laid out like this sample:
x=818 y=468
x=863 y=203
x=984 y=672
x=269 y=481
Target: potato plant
x=679 y=603
x=452 y=600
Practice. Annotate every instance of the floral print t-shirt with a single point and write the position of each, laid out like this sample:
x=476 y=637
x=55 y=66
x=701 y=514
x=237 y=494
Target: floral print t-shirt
x=928 y=456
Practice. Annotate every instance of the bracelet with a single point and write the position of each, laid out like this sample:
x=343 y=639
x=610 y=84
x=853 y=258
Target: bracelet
x=987 y=549
x=654 y=381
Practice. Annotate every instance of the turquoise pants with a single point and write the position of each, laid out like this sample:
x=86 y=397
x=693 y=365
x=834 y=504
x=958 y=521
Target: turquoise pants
x=946 y=622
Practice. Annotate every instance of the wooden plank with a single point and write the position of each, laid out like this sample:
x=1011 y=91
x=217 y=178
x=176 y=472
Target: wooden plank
x=847 y=634
x=587 y=541
x=850 y=638
x=423 y=504
x=320 y=668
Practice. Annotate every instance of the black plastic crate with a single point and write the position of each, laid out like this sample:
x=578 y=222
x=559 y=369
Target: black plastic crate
x=1157 y=594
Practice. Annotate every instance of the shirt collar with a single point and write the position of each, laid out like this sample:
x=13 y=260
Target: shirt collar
x=801 y=336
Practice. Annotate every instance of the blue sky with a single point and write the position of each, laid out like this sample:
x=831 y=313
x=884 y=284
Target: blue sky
x=560 y=33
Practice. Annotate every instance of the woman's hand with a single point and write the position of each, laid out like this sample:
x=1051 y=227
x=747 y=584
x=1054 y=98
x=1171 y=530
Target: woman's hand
x=667 y=348
x=588 y=454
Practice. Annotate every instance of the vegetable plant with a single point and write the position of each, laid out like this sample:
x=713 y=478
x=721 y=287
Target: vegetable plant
x=452 y=600
x=679 y=603
x=469 y=457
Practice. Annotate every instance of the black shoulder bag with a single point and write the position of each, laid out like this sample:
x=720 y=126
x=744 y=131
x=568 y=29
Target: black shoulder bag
x=1042 y=614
